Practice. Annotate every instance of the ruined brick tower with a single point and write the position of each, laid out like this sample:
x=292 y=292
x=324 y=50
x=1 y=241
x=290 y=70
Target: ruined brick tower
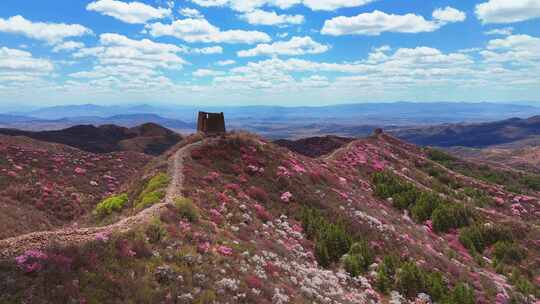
x=211 y=123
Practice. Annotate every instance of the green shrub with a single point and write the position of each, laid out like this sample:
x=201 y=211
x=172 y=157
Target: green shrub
x=111 y=204
x=477 y=238
x=461 y=294
x=155 y=232
x=386 y=273
x=450 y=216
x=358 y=259
x=388 y=184
x=508 y=252
x=157 y=182
x=154 y=191
x=187 y=209
x=150 y=199
x=523 y=284
x=410 y=280
x=425 y=205
x=406 y=199
x=331 y=240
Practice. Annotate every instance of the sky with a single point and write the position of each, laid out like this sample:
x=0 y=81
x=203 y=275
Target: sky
x=271 y=52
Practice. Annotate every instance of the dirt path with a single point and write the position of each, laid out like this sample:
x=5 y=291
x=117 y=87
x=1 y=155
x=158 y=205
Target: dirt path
x=15 y=246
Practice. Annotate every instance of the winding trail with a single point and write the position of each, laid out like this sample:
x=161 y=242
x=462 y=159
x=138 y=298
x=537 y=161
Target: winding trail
x=12 y=247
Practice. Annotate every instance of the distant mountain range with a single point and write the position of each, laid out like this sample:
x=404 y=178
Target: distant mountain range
x=147 y=138
x=473 y=135
x=399 y=113
x=124 y=120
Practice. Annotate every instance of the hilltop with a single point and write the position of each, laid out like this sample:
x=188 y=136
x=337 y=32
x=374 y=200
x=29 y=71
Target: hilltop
x=376 y=221
x=147 y=138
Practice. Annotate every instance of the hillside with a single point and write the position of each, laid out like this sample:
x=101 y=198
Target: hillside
x=377 y=221
x=473 y=135
x=45 y=186
x=314 y=146
x=147 y=138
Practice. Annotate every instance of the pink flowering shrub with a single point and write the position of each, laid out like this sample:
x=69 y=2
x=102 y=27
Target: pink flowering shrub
x=203 y=247
x=262 y=213
x=286 y=197
x=258 y=194
x=224 y=250
x=31 y=261
x=212 y=177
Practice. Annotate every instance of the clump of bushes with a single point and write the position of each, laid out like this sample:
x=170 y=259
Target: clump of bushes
x=512 y=181
x=358 y=259
x=187 y=209
x=154 y=191
x=423 y=205
x=451 y=216
x=111 y=204
x=478 y=237
x=388 y=184
x=410 y=280
x=331 y=240
x=508 y=252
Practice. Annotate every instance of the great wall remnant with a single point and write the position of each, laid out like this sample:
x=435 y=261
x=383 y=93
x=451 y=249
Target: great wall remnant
x=211 y=123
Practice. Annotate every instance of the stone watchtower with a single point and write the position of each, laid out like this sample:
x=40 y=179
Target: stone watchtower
x=211 y=123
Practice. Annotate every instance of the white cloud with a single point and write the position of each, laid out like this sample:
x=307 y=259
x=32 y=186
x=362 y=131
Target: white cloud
x=68 y=46
x=207 y=73
x=52 y=33
x=507 y=31
x=208 y=50
x=200 y=30
x=377 y=22
x=518 y=49
x=120 y=50
x=449 y=15
x=17 y=60
x=295 y=46
x=508 y=11
x=132 y=12
x=260 y=17
x=225 y=62
x=18 y=67
x=316 y=5
x=191 y=13
x=330 y=5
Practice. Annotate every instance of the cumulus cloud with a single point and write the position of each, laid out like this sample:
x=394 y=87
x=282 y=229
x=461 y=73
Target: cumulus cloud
x=519 y=49
x=316 y=5
x=206 y=73
x=51 y=33
x=449 y=15
x=377 y=22
x=132 y=12
x=208 y=50
x=18 y=67
x=120 y=50
x=225 y=62
x=507 y=31
x=260 y=17
x=190 y=13
x=508 y=11
x=68 y=46
x=200 y=30
x=295 y=46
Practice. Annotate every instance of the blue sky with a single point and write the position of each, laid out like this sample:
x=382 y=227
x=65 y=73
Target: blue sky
x=285 y=52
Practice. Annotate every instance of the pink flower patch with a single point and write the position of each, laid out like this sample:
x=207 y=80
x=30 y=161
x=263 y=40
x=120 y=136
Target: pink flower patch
x=203 y=247
x=211 y=177
x=80 y=171
x=262 y=213
x=102 y=237
x=283 y=172
x=185 y=226
x=224 y=250
x=286 y=197
x=499 y=201
x=31 y=261
x=216 y=216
